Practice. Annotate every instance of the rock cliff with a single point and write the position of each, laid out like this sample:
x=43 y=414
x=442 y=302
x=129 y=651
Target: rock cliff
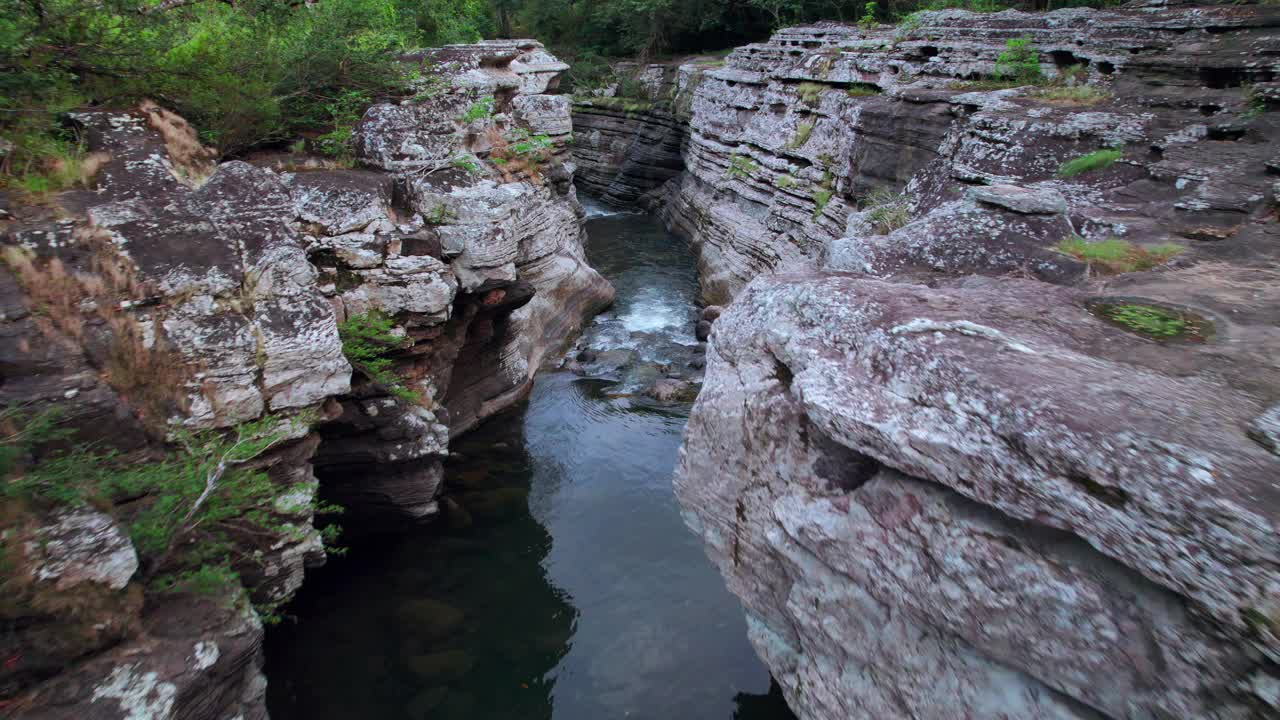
x=179 y=293
x=989 y=429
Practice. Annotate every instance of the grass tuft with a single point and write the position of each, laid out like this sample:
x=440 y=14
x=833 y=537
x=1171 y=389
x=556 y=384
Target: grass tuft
x=803 y=131
x=1119 y=256
x=1096 y=160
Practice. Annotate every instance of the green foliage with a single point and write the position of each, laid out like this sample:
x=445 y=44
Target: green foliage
x=526 y=145
x=1118 y=255
x=887 y=211
x=245 y=74
x=482 y=109
x=803 y=131
x=1148 y=320
x=740 y=167
x=187 y=510
x=868 y=20
x=1097 y=160
x=1019 y=62
x=368 y=341
x=785 y=182
x=465 y=162
x=862 y=90
x=344 y=112
x=810 y=92
x=1255 y=103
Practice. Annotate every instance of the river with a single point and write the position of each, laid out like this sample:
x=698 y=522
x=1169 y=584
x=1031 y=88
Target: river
x=569 y=589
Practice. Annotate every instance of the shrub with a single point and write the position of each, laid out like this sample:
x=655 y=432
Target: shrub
x=1118 y=255
x=868 y=20
x=862 y=90
x=482 y=109
x=344 y=112
x=368 y=341
x=1097 y=160
x=1020 y=62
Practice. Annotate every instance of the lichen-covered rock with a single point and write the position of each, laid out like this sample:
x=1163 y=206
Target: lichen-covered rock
x=976 y=500
x=948 y=496
x=180 y=293
x=797 y=146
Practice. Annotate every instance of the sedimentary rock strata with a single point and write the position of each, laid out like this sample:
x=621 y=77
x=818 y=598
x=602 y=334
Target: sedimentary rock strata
x=946 y=471
x=179 y=292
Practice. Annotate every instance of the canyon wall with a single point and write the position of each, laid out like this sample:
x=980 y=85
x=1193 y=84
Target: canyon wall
x=990 y=427
x=179 y=294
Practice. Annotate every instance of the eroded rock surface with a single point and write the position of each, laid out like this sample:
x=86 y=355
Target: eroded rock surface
x=182 y=293
x=952 y=469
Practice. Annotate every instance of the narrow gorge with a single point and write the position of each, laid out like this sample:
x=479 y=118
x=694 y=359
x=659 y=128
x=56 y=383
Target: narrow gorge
x=958 y=342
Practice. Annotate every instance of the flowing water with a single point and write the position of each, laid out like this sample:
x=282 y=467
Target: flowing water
x=569 y=588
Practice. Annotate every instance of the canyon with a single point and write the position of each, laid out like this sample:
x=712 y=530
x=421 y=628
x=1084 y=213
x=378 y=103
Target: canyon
x=953 y=462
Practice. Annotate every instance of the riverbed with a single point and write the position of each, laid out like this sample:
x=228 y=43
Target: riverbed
x=564 y=584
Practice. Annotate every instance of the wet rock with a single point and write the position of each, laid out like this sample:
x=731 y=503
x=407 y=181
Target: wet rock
x=441 y=667
x=669 y=391
x=711 y=313
x=703 y=330
x=429 y=619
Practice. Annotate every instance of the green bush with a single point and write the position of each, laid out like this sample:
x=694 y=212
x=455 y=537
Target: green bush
x=1097 y=160
x=245 y=73
x=1020 y=62
x=368 y=340
x=810 y=92
x=186 y=510
x=482 y=109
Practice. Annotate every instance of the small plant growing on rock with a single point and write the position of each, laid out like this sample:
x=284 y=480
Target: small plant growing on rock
x=467 y=163
x=440 y=215
x=862 y=90
x=785 y=182
x=810 y=92
x=1096 y=160
x=1155 y=322
x=189 y=511
x=887 y=211
x=740 y=167
x=368 y=341
x=1020 y=62
x=482 y=109
x=1116 y=255
x=803 y=131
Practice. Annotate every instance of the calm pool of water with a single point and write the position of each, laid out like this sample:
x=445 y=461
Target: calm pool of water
x=570 y=589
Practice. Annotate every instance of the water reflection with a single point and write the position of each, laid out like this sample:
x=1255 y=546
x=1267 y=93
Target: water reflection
x=563 y=585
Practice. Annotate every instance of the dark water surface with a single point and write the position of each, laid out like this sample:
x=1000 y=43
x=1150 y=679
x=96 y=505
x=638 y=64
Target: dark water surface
x=575 y=592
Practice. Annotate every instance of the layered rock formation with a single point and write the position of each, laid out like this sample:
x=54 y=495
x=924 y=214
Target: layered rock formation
x=180 y=293
x=952 y=467
x=626 y=148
